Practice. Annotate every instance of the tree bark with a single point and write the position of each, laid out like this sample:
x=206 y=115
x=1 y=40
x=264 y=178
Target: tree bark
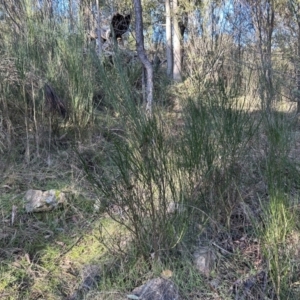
x=99 y=30
x=71 y=16
x=177 y=68
x=169 y=50
x=142 y=54
x=298 y=69
x=294 y=7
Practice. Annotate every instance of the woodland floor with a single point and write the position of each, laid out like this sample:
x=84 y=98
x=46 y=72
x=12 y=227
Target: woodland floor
x=45 y=255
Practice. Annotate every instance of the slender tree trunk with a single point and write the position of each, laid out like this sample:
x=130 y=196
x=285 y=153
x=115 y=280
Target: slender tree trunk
x=71 y=15
x=269 y=67
x=169 y=50
x=99 y=30
x=142 y=54
x=213 y=26
x=294 y=7
x=298 y=70
x=177 y=68
x=264 y=19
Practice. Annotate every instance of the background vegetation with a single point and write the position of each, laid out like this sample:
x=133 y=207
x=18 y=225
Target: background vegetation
x=215 y=167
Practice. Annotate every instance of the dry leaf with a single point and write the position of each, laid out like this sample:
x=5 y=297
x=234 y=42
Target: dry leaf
x=166 y=273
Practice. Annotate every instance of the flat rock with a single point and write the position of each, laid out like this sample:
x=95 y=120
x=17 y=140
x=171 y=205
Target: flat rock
x=157 y=289
x=42 y=201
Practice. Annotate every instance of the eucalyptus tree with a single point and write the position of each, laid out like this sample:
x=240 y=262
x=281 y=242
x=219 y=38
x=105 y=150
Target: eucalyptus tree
x=177 y=61
x=139 y=28
x=294 y=19
x=169 y=44
x=99 y=29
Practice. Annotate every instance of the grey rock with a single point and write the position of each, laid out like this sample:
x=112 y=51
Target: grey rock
x=39 y=201
x=204 y=260
x=157 y=289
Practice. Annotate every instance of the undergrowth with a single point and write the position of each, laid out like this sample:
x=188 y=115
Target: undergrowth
x=143 y=194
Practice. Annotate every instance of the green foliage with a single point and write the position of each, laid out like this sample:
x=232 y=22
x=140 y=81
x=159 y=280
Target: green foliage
x=163 y=185
x=213 y=145
x=277 y=224
x=148 y=183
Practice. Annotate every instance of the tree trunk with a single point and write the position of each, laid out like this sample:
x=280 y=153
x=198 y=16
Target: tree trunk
x=142 y=54
x=176 y=45
x=99 y=30
x=298 y=70
x=169 y=50
x=294 y=8
x=71 y=16
x=269 y=67
x=264 y=22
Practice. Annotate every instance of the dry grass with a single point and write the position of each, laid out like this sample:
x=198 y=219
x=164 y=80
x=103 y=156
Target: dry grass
x=43 y=255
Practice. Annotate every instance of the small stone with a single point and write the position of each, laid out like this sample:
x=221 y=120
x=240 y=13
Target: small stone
x=157 y=289
x=39 y=201
x=204 y=260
